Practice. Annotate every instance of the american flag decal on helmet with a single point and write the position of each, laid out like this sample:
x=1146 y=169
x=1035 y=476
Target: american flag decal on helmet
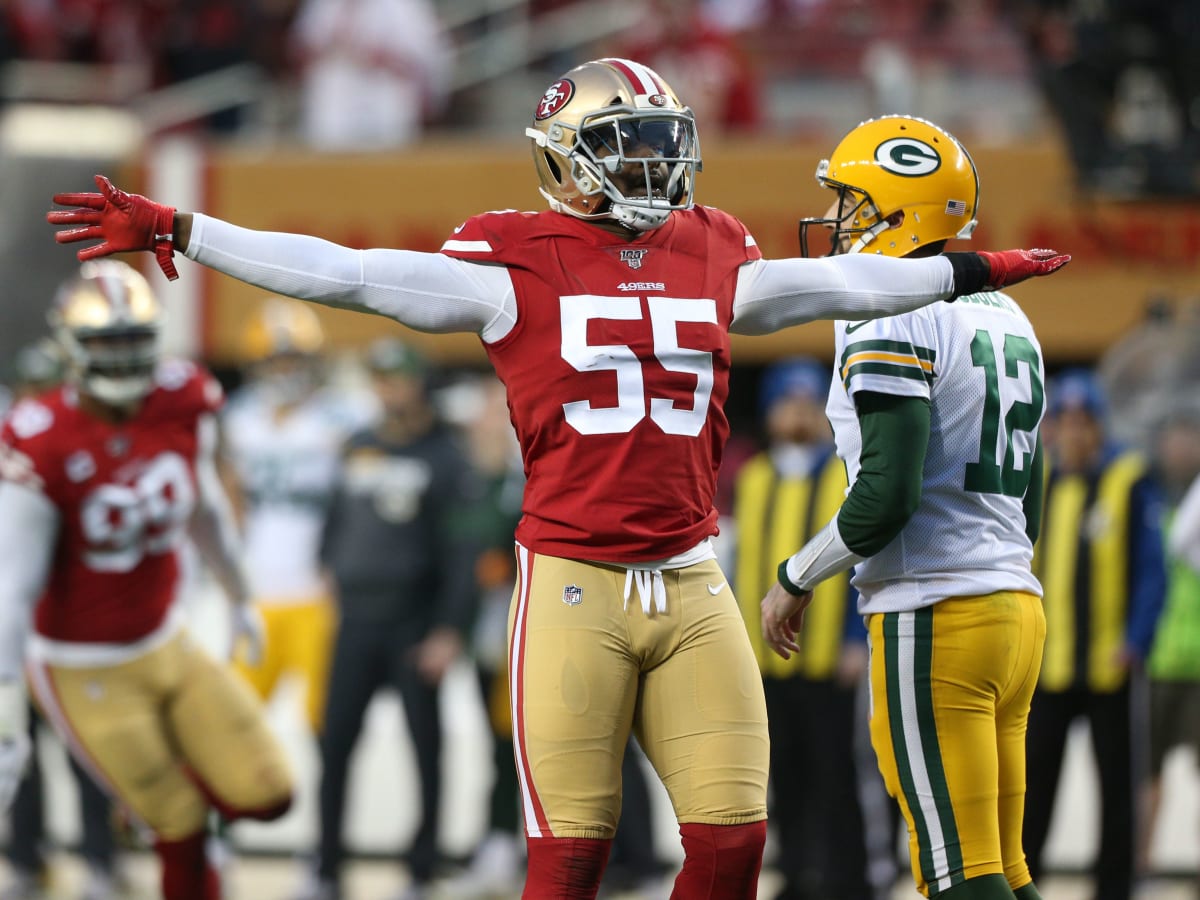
x=956 y=207
x=572 y=594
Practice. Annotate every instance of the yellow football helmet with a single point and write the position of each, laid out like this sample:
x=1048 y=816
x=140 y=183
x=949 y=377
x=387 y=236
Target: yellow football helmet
x=902 y=183
x=282 y=327
x=608 y=121
x=108 y=320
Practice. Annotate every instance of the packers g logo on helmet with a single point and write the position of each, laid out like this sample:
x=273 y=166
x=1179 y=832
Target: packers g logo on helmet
x=907 y=156
x=902 y=183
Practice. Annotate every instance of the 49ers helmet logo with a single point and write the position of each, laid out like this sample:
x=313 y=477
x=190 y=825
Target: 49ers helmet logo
x=907 y=156
x=556 y=97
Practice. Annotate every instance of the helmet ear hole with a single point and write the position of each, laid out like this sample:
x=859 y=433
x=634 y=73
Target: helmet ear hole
x=553 y=167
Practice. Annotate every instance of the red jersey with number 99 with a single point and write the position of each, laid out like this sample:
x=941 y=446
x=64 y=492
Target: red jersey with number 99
x=124 y=493
x=617 y=373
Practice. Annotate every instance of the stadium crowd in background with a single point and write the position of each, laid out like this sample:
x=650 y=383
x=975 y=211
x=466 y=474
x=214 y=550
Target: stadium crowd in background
x=1119 y=78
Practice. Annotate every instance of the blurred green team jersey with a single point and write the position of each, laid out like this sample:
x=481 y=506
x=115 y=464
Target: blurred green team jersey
x=1176 y=652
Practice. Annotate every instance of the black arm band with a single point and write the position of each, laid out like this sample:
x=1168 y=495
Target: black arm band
x=786 y=583
x=971 y=273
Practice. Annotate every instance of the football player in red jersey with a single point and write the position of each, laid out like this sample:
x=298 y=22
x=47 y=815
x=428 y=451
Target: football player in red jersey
x=608 y=319
x=101 y=482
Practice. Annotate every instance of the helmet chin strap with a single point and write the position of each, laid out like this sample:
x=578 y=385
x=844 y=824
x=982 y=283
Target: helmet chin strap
x=639 y=218
x=866 y=237
x=116 y=391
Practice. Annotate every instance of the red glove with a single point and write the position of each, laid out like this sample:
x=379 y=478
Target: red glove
x=1011 y=266
x=124 y=222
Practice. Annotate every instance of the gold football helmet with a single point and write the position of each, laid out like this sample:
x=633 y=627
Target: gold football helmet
x=282 y=342
x=282 y=327
x=902 y=183
x=108 y=320
x=612 y=141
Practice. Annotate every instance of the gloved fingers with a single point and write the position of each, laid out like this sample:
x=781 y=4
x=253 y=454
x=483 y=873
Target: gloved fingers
x=80 y=216
x=90 y=200
x=95 y=252
x=71 y=235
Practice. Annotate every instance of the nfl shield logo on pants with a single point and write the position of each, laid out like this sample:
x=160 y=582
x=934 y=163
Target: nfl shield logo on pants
x=572 y=595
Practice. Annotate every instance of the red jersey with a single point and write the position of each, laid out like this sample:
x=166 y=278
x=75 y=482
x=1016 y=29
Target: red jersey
x=617 y=372
x=125 y=494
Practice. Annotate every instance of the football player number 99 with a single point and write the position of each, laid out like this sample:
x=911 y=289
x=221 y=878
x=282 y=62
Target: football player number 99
x=665 y=314
x=123 y=523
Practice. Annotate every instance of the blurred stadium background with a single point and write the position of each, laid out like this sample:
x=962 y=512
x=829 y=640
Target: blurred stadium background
x=1082 y=116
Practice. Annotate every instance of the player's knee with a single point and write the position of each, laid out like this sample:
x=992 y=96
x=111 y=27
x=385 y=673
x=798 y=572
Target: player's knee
x=265 y=796
x=172 y=816
x=721 y=862
x=565 y=868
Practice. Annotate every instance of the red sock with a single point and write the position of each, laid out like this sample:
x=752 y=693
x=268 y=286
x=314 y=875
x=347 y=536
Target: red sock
x=565 y=868
x=186 y=874
x=721 y=862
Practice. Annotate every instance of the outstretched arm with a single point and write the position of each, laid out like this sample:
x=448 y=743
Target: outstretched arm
x=777 y=293
x=426 y=291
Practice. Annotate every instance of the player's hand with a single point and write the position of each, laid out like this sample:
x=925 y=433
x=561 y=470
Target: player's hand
x=121 y=221
x=14 y=740
x=249 y=634
x=782 y=618
x=1013 y=266
x=434 y=656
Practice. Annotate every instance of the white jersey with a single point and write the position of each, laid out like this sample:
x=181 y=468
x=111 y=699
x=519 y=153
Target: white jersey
x=287 y=467
x=979 y=364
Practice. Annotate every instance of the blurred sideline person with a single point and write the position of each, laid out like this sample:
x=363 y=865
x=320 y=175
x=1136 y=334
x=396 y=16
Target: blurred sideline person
x=607 y=317
x=1174 y=664
x=103 y=481
x=399 y=545
x=365 y=83
x=38 y=368
x=1101 y=563
x=283 y=433
x=495 y=864
x=936 y=413
x=781 y=496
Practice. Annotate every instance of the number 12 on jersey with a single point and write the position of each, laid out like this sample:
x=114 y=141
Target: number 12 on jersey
x=988 y=475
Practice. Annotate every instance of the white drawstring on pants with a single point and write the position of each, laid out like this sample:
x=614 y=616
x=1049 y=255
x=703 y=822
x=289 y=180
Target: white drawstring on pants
x=649 y=583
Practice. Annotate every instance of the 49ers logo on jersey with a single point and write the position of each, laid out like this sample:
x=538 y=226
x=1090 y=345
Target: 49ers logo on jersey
x=556 y=97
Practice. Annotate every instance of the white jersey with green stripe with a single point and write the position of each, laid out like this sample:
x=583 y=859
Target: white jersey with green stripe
x=979 y=364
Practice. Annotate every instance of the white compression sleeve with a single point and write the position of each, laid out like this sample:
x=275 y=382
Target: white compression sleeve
x=28 y=532
x=426 y=291
x=825 y=555
x=776 y=293
x=1185 y=528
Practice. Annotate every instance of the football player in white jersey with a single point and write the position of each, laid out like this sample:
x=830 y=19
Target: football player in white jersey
x=936 y=414
x=283 y=435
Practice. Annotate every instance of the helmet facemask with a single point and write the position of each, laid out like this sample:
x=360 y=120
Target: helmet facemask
x=116 y=366
x=856 y=226
x=645 y=163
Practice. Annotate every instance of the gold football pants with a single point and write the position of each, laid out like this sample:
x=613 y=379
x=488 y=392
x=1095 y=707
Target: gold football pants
x=587 y=665
x=950 y=691
x=158 y=731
